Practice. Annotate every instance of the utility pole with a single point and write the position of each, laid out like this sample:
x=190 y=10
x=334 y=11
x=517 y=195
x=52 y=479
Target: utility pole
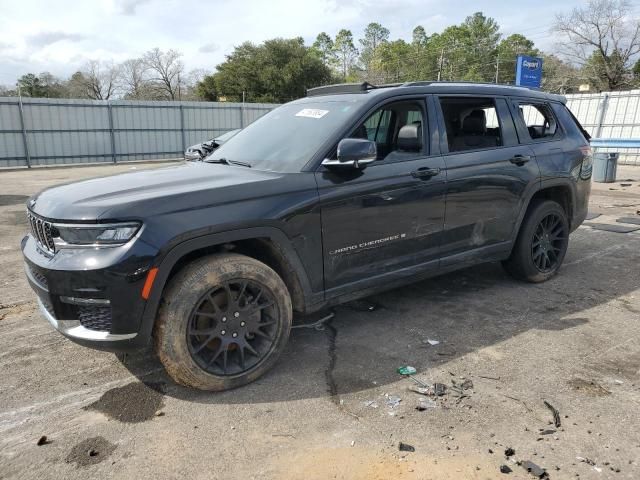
x=440 y=63
x=497 y=67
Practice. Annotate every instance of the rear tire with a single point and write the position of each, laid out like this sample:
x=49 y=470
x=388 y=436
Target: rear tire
x=224 y=322
x=541 y=244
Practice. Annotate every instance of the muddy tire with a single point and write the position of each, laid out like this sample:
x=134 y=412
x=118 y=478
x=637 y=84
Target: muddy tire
x=541 y=244
x=224 y=321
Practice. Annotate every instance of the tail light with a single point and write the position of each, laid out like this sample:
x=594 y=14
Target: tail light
x=587 y=162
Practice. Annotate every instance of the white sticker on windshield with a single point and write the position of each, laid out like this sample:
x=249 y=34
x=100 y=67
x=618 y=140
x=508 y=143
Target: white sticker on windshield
x=312 y=113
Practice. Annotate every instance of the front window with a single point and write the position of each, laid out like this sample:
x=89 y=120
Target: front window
x=287 y=138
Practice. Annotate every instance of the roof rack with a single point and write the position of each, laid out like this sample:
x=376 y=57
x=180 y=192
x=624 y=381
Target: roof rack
x=362 y=87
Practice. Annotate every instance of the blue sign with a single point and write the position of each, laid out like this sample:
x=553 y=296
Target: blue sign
x=528 y=71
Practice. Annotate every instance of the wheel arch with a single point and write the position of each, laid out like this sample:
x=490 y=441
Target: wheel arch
x=266 y=244
x=559 y=190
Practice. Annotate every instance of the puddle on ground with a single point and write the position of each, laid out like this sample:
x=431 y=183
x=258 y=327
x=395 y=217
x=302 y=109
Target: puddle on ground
x=134 y=403
x=12 y=199
x=90 y=451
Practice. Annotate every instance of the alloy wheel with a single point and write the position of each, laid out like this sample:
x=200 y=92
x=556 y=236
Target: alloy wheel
x=549 y=241
x=233 y=327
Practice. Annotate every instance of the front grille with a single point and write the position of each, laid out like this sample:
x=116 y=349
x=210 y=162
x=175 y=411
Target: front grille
x=95 y=317
x=42 y=232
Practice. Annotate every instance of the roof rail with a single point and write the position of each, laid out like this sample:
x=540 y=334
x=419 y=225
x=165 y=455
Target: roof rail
x=362 y=87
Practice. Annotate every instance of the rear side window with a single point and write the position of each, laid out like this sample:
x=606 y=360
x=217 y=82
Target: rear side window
x=539 y=120
x=472 y=123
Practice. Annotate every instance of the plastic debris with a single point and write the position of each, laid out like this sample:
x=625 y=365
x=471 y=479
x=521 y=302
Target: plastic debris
x=505 y=469
x=425 y=404
x=405 y=447
x=407 y=370
x=534 y=469
x=556 y=414
x=393 y=401
x=353 y=442
x=421 y=390
x=371 y=403
x=433 y=343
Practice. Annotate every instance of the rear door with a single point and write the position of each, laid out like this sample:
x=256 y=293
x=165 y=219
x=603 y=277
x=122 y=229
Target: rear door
x=538 y=127
x=384 y=220
x=489 y=175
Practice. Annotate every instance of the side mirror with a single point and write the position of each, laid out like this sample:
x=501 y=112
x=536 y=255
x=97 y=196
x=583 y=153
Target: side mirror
x=353 y=153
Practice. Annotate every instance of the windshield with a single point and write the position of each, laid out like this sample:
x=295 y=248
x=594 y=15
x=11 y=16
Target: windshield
x=225 y=136
x=286 y=138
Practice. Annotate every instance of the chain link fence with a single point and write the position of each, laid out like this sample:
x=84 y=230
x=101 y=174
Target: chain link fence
x=39 y=131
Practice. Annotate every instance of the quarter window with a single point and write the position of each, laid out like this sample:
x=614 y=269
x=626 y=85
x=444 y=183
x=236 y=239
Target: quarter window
x=471 y=123
x=539 y=120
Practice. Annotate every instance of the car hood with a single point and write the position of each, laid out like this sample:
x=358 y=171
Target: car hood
x=139 y=194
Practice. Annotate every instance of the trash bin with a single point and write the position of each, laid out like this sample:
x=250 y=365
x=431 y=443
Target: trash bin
x=604 y=167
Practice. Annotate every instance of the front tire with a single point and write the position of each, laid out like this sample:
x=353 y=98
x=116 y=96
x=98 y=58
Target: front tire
x=224 y=322
x=541 y=244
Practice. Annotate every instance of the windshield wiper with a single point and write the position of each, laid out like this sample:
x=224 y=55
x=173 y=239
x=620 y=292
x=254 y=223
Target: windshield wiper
x=225 y=161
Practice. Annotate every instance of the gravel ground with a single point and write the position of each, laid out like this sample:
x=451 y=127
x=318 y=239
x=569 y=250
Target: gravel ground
x=325 y=410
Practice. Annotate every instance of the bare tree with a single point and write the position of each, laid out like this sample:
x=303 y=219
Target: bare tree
x=98 y=80
x=602 y=38
x=165 y=70
x=133 y=79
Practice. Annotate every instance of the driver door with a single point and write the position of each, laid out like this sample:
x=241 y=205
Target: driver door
x=384 y=221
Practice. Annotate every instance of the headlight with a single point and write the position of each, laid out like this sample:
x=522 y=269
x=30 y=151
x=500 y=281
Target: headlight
x=94 y=234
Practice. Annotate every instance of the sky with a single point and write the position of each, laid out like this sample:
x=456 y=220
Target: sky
x=60 y=35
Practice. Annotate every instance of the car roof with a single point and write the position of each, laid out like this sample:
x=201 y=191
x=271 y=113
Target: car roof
x=362 y=91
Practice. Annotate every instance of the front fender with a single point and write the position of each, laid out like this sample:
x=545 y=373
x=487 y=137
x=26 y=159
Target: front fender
x=166 y=262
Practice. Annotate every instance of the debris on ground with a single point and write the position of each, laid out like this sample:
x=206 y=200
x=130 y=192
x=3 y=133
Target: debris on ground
x=371 y=403
x=160 y=414
x=407 y=370
x=432 y=342
x=509 y=452
x=439 y=389
x=393 y=400
x=43 y=440
x=555 y=412
x=425 y=404
x=505 y=469
x=625 y=184
x=534 y=469
x=405 y=447
x=421 y=390
x=588 y=461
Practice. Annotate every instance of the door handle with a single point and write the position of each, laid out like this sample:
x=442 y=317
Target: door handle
x=425 y=172
x=520 y=159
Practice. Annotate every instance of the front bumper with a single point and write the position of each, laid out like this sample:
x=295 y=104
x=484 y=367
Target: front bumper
x=74 y=329
x=92 y=296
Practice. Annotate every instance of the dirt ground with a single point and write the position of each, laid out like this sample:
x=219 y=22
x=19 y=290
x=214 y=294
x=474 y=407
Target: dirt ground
x=326 y=410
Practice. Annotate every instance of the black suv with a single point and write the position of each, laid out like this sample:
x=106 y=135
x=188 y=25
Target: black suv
x=348 y=191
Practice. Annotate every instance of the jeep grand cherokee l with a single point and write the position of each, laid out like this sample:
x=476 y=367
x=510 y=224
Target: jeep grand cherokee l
x=351 y=190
